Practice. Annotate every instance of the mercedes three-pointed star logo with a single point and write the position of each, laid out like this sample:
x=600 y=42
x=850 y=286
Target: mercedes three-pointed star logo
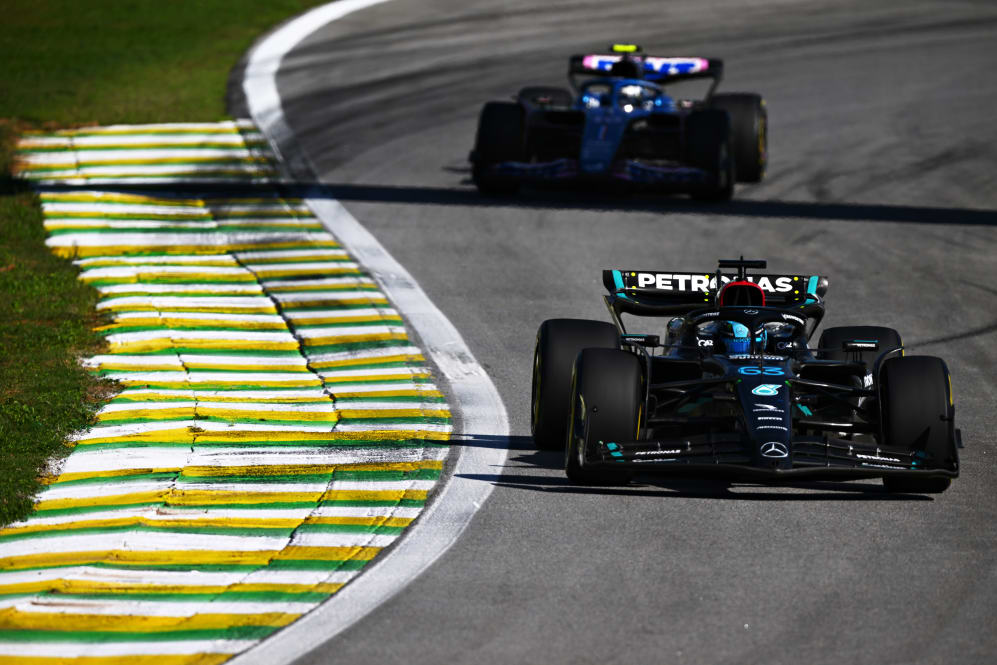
x=774 y=449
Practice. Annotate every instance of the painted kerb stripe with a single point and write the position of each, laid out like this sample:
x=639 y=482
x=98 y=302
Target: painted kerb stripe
x=480 y=411
x=276 y=429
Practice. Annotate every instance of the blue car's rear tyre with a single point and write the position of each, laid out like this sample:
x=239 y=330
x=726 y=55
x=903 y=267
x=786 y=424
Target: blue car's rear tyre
x=918 y=416
x=607 y=398
x=500 y=138
x=559 y=341
x=749 y=132
x=708 y=147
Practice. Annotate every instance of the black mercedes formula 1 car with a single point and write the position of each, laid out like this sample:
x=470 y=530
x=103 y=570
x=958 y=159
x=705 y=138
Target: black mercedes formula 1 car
x=730 y=387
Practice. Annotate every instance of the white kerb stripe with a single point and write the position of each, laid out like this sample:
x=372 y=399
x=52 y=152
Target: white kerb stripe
x=478 y=402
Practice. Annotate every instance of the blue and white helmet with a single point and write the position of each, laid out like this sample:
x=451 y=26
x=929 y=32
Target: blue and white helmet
x=736 y=338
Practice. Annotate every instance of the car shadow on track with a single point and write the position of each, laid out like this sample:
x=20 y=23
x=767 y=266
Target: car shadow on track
x=575 y=199
x=542 y=471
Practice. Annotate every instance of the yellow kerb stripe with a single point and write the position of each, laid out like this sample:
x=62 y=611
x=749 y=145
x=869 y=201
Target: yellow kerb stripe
x=184 y=435
x=79 y=251
x=308 y=469
x=174 y=322
x=208 y=309
x=87 y=587
x=178 y=497
x=420 y=373
x=12 y=619
x=207 y=522
x=234 y=414
x=192 y=659
x=153 y=345
x=153 y=397
x=188 y=557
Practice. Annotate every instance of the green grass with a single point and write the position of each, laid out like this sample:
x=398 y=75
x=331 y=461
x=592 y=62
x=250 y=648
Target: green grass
x=73 y=62
x=70 y=63
x=45 y=320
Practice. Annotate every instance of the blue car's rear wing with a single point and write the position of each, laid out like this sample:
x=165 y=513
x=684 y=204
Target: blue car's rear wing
x=655 y=68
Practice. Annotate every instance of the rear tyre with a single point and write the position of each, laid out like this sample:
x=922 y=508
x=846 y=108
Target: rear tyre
x=918 y=416
x=749 y=132
x=832 y=338
x=559 y=341
x=607 y=398
x=538 y=95
x=499 y=139
x=708 y=147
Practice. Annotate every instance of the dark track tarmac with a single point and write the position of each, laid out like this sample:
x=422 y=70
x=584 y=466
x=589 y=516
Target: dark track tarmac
x=883 y=176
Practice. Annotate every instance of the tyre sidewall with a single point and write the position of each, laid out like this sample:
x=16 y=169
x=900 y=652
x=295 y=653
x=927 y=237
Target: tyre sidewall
x=607 y=401
x=708 y=147
x=917 y=416
x=749 y=132
x=559 y=341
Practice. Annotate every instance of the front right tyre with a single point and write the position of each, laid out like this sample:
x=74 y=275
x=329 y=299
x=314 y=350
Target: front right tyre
x=708 y=147
x=749 y=132
x=500 y=138
x=918 y=416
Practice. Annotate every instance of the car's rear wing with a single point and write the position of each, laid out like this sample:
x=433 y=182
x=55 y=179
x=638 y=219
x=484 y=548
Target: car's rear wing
x=650 y=292
x=655 y=68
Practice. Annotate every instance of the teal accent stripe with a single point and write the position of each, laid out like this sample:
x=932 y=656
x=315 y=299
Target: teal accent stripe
x=812 y=285
x=812 y=289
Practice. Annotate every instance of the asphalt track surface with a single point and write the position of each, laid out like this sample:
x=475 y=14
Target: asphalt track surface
x=883 y=176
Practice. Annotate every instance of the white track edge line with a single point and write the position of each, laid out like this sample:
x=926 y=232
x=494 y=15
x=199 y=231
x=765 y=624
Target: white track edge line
x=476 y=398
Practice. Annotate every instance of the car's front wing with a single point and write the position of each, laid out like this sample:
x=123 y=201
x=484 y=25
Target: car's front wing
x=628 y=170
x=732 y=457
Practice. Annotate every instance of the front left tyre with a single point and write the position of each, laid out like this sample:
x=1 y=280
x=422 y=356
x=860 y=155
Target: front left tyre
x=607 y=400
x=559 y=341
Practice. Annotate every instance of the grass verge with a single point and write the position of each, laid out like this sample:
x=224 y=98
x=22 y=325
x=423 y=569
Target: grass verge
x=46 y=316
x=71 y=63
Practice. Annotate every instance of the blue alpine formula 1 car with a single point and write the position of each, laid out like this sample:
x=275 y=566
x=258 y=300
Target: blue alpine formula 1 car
x=620 y=124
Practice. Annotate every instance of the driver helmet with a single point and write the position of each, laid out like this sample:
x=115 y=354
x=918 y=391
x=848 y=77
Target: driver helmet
x=736 y=338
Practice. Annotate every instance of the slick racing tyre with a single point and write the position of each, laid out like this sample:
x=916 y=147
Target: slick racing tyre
x=499 y=139
x=749 y=132
x=545 y=96
x=559 y=341
x=708 y=147
x=918 y=416
x=607 y=398
x=832 y=338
